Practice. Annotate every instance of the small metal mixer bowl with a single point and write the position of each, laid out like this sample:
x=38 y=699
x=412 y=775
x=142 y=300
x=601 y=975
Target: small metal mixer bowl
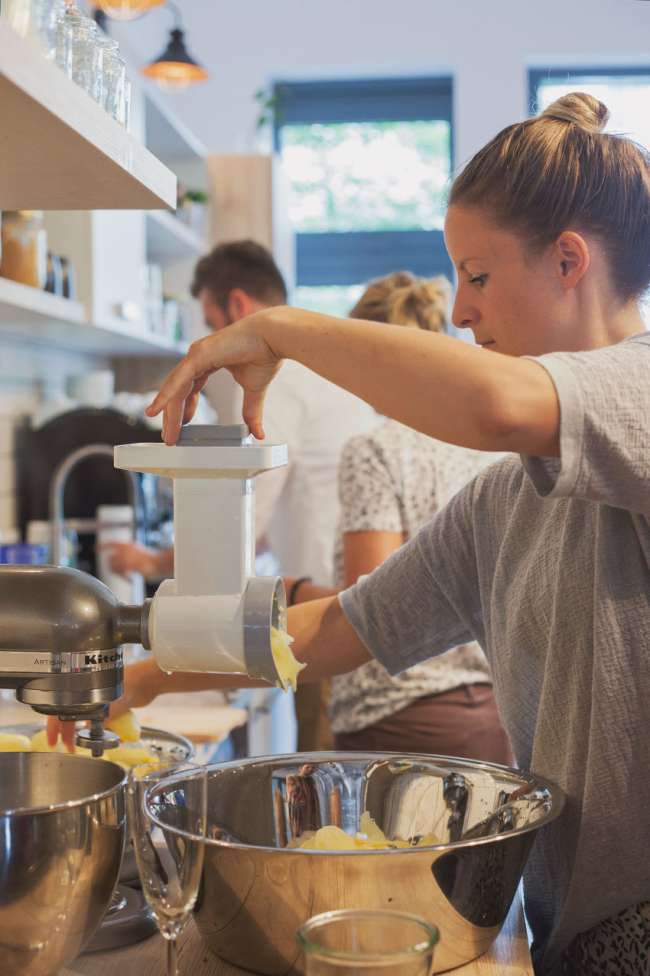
x=62 y=824
x=257 y=891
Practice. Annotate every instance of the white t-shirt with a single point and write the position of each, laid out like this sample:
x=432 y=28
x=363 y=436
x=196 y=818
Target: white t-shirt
x=297 y=507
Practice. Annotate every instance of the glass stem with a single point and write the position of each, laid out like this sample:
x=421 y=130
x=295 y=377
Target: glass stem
x=172 y=957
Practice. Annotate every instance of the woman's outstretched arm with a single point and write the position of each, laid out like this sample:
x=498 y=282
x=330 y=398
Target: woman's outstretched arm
x=436 y=384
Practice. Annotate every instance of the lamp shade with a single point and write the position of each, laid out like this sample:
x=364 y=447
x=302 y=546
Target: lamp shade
x=175 y=68
x=126 y=9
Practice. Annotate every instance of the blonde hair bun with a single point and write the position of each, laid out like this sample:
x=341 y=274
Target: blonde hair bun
x=579 y=109
x=402 y=298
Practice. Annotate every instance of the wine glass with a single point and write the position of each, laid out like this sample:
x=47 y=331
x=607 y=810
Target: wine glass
x=167 y=839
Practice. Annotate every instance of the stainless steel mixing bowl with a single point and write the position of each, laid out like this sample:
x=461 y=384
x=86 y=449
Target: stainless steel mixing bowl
x=167 y=746
x=62 y=834
x=256 y=891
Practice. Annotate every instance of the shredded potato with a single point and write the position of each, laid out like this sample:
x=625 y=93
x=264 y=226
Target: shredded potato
x=370 y=837
x=285 y=663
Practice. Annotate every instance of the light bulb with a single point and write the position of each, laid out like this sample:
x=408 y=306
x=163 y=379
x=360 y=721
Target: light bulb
x=126 y=9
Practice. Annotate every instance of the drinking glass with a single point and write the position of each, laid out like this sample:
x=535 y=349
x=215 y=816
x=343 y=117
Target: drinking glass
x=167 y=839
x=372 y=942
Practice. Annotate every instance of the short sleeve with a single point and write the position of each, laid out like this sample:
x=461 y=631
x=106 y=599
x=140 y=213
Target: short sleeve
x=368 y=494
x=604 y=398
x=425 y=598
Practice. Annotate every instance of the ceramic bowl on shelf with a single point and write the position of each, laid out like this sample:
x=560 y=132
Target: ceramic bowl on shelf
x=257 y=890
x=62 y=823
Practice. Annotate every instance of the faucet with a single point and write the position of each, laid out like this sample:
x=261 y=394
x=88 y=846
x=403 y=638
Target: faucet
x=57 y=494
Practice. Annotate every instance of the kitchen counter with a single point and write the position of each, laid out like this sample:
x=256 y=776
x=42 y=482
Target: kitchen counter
x=508 y=956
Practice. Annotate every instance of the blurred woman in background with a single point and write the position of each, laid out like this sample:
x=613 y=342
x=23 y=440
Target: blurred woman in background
x=391 y=481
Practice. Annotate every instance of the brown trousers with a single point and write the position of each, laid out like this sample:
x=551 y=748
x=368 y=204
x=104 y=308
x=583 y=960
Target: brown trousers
x=314 y=729
x=461 y=722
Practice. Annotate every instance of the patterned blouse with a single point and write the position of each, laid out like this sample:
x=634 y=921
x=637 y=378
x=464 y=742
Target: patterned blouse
x=394 y=479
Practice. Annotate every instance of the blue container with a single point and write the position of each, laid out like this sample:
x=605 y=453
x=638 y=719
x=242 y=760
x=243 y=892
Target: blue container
x=23 y=553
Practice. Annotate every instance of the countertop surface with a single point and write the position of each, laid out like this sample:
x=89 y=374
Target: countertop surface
x=508 y=956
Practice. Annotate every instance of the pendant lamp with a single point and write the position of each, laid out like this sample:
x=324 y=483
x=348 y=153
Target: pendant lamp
x=126 y=9
x=175 y=69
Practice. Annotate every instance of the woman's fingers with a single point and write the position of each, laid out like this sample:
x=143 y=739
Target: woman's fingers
x=240 y=349
x=53 y=729
x=56 y=728
x=252 y=412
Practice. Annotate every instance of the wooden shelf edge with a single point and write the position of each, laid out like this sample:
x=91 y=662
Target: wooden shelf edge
x=60 y=148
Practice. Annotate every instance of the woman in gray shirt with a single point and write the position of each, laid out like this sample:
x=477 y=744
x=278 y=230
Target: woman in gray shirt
x=544 y=560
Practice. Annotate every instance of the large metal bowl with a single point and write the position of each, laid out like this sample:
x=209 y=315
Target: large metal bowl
x=62 y=827
x=256 y=891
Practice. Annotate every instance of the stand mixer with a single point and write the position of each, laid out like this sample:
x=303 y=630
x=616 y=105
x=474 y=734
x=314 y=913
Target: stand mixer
x=61 y=630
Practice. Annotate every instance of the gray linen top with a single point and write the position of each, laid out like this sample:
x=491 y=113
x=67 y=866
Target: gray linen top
x=547 y=565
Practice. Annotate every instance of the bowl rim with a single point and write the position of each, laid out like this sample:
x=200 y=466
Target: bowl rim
x=557 y=798
x=65 y=804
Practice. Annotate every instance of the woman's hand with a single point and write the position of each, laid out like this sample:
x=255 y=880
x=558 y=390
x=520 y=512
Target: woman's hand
x=142 y=683
x=242 y=350
x=129 y=557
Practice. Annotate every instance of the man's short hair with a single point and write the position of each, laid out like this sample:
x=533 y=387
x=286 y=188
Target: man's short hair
x=240 y=264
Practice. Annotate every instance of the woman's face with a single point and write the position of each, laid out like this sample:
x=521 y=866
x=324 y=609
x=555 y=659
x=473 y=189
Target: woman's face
x=511 y=300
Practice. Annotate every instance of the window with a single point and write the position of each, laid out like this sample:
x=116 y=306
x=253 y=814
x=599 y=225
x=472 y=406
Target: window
x=368 y=163
x=625 y=92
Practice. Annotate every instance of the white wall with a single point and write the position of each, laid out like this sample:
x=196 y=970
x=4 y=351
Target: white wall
x=488 y=46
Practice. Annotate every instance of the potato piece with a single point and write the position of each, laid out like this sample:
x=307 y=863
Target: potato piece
x=14 y=742
x=285 y=663
x=126 y=726
x=369 y=838
x=130 y=756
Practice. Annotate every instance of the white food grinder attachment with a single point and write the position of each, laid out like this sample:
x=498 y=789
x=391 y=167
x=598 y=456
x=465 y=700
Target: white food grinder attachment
x=215 y=615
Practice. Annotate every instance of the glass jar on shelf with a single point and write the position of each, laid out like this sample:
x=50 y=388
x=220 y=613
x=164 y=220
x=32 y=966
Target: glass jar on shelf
x=113 y=94
x=108 y=47
x=55 y=12
x=78 y=52
x=24 y=247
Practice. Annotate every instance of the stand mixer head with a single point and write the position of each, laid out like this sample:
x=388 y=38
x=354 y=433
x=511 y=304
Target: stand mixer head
x=60 y=637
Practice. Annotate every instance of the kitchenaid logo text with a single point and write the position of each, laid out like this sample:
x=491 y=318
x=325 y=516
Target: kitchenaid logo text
x=114 y=658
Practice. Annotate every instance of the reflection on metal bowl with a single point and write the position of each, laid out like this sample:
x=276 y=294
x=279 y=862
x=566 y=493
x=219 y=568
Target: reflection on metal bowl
x=62 y=825
x=256 y=891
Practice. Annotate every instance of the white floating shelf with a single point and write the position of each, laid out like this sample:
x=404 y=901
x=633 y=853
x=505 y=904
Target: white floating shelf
x=28 y=313
x=59 y=150
x=169 y=239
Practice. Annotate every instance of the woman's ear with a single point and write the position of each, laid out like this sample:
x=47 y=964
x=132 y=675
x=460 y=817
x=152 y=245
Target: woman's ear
x=571 y=258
